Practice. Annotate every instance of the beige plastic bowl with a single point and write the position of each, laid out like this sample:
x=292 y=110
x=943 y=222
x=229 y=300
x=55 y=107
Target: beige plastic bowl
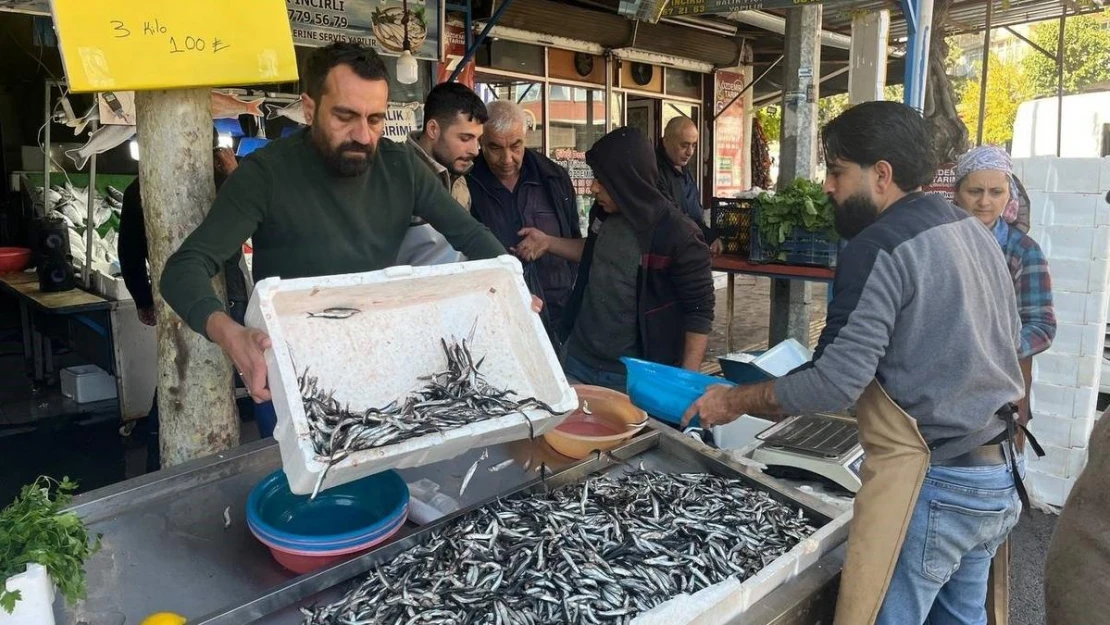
x=609 y=424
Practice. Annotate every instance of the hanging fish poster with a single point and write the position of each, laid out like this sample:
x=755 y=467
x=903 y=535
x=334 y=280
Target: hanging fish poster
x=375 y=23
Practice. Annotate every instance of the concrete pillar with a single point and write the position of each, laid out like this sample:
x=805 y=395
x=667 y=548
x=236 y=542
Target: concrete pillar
x=195 y=393
x=867 y=56
x=749 y=113
x=798 y=156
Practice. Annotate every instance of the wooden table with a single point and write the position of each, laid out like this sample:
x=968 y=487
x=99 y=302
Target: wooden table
x=33 y=303
x=733 y=265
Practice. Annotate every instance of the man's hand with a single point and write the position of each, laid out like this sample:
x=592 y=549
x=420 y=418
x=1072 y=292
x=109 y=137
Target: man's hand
x=245 y=347
x=148 y=316
x=716 y=247
x=225 y=161
x=713 y=408
x=537 y=305
x=533 y=244
x=723 y=404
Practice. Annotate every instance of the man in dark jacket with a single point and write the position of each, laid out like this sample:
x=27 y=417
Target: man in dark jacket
x=672 y=156
x=519 y=195
x=643 y=260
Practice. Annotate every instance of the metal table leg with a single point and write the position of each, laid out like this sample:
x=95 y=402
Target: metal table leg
x=25 y=321
x=730 y=305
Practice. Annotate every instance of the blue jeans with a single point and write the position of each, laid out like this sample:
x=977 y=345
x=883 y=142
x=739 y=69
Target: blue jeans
x=961 y=518
x=579 y=372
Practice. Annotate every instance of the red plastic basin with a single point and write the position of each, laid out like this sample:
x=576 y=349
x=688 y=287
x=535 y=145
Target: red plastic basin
x=13 y=259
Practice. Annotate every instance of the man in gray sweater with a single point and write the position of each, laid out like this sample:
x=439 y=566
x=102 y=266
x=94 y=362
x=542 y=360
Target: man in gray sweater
x=924 y=309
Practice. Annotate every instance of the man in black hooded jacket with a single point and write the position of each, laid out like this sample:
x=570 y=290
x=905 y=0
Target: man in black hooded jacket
x=642 y=260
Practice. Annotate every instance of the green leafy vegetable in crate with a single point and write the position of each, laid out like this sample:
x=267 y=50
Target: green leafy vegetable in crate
x=34 y=530
x=801 y=204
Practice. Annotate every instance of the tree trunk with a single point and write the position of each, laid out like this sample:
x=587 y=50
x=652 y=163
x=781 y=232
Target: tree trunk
x=195 y=390
x=950 y=136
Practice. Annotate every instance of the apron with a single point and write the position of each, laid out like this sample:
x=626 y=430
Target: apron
x=893 y=470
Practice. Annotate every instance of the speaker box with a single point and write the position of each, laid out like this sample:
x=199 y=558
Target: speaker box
x=52 y=256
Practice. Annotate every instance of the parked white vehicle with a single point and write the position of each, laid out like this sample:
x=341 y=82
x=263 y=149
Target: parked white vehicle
x=1086 y=127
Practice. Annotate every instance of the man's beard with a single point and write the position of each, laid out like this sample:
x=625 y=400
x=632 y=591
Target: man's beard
x=339 y=160
x=854 y=215
x=444 y=158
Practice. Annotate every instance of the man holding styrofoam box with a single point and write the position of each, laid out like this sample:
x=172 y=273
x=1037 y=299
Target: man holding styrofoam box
x=331 y=199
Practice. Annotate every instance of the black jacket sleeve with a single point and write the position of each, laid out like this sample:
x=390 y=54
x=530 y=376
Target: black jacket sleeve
x=132 y=247
x=693 y=283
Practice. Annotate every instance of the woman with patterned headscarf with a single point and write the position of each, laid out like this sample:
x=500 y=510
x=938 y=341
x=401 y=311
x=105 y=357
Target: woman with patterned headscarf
x=987 y=188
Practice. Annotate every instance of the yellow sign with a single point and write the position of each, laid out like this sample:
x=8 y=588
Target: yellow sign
x=122 y=45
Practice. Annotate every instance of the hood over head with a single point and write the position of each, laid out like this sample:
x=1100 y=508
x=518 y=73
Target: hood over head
x=623 y=161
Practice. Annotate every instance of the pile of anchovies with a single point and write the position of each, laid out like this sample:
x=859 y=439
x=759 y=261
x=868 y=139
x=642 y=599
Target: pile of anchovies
x=601 y=551
x=452 y=398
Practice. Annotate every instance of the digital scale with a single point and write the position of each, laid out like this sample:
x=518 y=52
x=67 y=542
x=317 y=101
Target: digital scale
x=820 y=444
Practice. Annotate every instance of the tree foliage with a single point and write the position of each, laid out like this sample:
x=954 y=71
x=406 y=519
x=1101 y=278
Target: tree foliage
x=1086 y=54
x=1007 y=87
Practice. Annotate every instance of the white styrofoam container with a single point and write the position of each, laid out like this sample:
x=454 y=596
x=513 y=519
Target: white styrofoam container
x=727 y=601
x=36 y=603
x=378 y=355
x=739 y=433
x=87 y=383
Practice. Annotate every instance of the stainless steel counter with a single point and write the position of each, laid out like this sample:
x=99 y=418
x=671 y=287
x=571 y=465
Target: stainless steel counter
x=165 y=546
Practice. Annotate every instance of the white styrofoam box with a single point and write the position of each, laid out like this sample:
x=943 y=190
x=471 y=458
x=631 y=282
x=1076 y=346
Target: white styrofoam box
x=1068 y=242
x=1059 y=461
x=1051 y=400
x=36 y=603
x=1090 y=370
x=1086 y=401
x=1071 y=307
x=378 y=356
x=1078 y=175
x=1104 y=176
x=1100 y=276
x=1051 y=430
x=730 y=604
x=1102 y=212
x=1049 y=489
x=1038 y=173
x=739 y=433
x=1079 y=339
x=1068 y=209
x=1100 y=241
x=1081 y=430
x=1098 y=306
x=87 y=383
x=1070 y=275
x=1059 y=369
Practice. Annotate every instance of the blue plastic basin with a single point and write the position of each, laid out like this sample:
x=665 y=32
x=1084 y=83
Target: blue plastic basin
x=665 y=392
x=340 y=517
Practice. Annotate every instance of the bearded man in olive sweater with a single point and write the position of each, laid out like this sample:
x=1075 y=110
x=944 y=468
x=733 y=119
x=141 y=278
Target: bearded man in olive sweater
x=331 y=199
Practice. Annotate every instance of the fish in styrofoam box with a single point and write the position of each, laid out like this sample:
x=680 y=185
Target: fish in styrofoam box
x=378 y=355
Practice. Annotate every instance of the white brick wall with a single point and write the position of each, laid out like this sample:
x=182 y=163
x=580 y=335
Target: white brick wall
x=1071 y=221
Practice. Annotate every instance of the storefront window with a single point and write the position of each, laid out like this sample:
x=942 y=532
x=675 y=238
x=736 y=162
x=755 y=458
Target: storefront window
x=528 y=94
x=682 y=83
x=511 y=56
x=577 y=119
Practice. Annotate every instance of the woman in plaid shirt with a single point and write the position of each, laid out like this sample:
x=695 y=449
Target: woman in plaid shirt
x=987 y=188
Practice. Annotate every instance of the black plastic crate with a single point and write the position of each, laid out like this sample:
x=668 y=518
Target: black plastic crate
x=731 y=218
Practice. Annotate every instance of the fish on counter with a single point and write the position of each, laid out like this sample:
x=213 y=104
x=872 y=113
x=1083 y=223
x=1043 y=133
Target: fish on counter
x=601 y=551
x=294 y=112
x=227 y=106
x=105 y=138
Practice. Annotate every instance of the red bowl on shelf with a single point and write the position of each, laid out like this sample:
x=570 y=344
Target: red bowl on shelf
x=13 y=259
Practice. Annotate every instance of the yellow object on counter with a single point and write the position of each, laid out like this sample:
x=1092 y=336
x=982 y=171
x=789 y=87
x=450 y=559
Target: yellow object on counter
x=164 y=618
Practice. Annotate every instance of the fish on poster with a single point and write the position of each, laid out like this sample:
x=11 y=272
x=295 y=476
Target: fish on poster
x=227 y=106
x=293 y=112
x=104 y=139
